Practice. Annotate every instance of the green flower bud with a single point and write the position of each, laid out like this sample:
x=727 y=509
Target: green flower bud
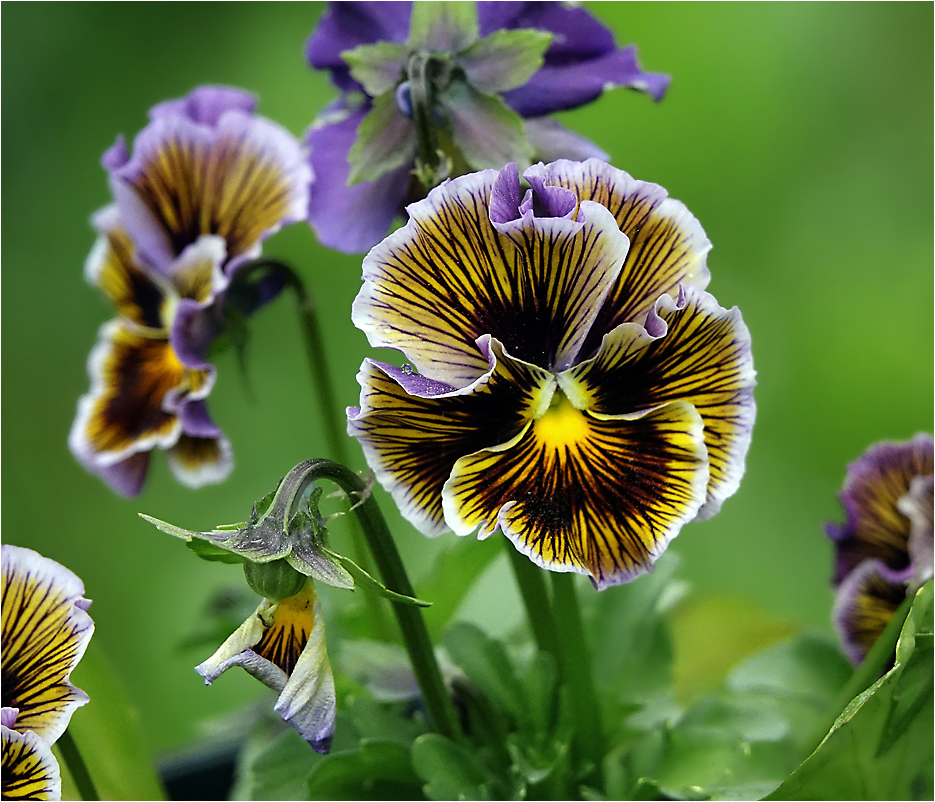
x=273 y=580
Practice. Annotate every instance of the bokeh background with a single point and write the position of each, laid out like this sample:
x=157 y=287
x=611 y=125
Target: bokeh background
x=800 y=135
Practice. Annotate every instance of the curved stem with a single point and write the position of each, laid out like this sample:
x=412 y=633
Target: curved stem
x=530 y=579
x=71 y=756
x=441 y=711
x=576 y=668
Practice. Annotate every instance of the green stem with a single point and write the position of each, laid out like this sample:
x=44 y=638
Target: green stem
x=441 y=711
x=530 y=579
x=576 y=668
x=76 y=766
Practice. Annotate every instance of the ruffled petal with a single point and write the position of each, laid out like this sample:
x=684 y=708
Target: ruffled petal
x=452 y=275
x=691 y=350
x=874 y=528
x=574 y=493
x=668 y=247
x=206 y=104
x=350 y=219
x=30 y=770
x=242 y=179
x=413 y=430
x=552 y=141
x=199 y=461
x=46 y=630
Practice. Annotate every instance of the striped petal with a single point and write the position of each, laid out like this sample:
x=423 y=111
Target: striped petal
x=691 y=350
x=413 y=429
x=241 y=178
x=577 y=493
x=30 y=770
x=199 y=461
x=283 y=645
x=45 y=633
x=451 y=275
x=668 y=247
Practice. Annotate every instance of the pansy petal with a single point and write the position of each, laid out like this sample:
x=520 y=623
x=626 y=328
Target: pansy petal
x=917 y=505
x=199 y=461
x=46 y=630
x=874 y=527
x=551 y=141
x=350 y=219
x=197 y=273
x=127 y=476
x=206 y=104
x=140 y=295
x=242 y=179
x=30 y=770
x=574 y=493
x=451 y=275
x=691 y=350
x=413 y=430
x=132 y=377
x=865 y=603
x=668 y=247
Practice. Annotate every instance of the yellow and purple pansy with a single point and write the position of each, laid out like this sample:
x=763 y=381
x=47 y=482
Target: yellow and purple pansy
x=571 y=384
x=884 y=547
x=208 y=180
x=45 y=631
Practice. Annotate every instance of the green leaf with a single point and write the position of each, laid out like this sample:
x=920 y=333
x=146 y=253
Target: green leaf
x=213 y=553
x=384 y=721
x=442 y=26
x=385 y=140
x=377 y=67
x=275 y=767
x=367 y=582
x=448 y=770
x=505 y=60
x=380 y=769
x=881 y=746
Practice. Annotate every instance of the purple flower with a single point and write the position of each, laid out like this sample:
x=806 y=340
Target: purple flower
x=884 y=547
x=207 y=181
x=433 y=90
x=572 y=384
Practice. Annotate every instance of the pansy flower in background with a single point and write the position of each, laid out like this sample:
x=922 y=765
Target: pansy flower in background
x=207 y=181
x=884 y=546
x=572 y=384
x=45 y=631
x=432 y=90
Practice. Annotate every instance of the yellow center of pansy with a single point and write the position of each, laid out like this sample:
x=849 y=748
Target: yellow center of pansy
x=561 y=425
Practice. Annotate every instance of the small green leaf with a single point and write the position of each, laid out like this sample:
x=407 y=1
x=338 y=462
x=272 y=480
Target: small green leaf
x=505 y=60
x=385 y=140
x=212 y=553
x=366 y=581
x=441 y=26
x=448 y=770
x=380 y=769
x=377 y=67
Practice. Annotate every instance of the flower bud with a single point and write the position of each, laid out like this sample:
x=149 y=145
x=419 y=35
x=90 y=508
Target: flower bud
x=273 y=580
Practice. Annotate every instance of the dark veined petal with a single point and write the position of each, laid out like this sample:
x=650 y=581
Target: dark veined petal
x=668 y=247
x=574 y=493
x=136 y=385
x=866 y=601
x=452 y=275
x=691 y=350
x=141 y=296
x=242 y=179
x=30 y=770
x=46 y=630
x=197 y=274
x=199 y=461
x=413 y=430
x=874 y=527
x=283 y=646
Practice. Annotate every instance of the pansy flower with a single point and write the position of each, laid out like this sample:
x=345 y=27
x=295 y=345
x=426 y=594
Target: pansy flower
x=884 y=546
x=206 y=183
x=571 y=382
x=437 y=89
x=46 y=629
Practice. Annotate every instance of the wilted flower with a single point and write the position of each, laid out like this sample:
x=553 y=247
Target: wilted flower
x=884 y=547
x=207 y=182
x=46 y=630
x=577 y=388
x=438 y=89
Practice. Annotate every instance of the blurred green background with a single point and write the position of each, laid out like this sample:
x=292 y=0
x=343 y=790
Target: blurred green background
x=800 y=135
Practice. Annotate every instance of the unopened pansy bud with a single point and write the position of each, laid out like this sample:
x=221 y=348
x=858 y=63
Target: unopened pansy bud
x=273 y=580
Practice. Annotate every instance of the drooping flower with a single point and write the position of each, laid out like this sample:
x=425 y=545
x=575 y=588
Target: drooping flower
x=46 y=629
x=431 y=90
x=207 y=182
x=884 y=547
x=577 y=388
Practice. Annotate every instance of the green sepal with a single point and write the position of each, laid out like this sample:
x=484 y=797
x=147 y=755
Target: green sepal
x=364 y=579
x=377 y=67
x=506 y=59
x=441 y=26
x=212 y=553
x=385 y=141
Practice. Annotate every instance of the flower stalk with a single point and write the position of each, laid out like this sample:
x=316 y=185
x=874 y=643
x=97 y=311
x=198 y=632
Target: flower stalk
x=78 y=769
x=535 y=595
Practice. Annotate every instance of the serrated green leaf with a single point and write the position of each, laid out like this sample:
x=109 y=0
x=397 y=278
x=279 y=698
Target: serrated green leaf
x=448 y=770
x=377 y=67
x=505 y=60
x=385 y=140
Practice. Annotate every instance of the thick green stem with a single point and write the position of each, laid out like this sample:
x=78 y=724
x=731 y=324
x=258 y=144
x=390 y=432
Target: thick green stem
x=441 y=711
x=76 y=766
x=576 y=669
x=530 y=579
